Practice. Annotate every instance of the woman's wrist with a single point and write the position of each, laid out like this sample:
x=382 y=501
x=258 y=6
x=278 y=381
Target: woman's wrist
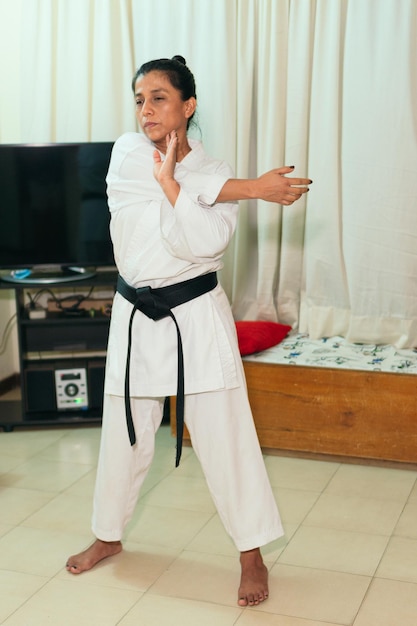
x=171 y=189
x=237 y=189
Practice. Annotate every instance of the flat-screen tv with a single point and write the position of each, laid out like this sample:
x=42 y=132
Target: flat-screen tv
x=54 y=217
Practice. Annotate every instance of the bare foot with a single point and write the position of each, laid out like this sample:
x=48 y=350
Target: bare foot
x=98 y=551
x=254 y=580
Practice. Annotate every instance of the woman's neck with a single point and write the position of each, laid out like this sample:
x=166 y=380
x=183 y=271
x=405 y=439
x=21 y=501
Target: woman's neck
x=183 y=149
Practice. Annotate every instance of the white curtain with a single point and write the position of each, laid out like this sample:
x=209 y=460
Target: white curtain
x=360 y=277
x=329 y=86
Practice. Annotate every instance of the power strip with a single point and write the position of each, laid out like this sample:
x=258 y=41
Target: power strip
x=90 y=304
x=37 y=313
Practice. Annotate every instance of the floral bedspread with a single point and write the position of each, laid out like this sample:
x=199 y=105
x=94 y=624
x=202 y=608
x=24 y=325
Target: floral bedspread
x=298 y=349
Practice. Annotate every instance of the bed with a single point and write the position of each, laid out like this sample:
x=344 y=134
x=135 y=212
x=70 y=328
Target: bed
x=333 y=399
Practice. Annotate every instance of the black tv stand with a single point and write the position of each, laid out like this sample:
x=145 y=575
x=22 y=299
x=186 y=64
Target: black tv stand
x=54 y=343
x=49 y=275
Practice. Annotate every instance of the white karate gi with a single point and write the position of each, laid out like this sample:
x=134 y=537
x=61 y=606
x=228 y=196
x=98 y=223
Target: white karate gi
x=158 y=245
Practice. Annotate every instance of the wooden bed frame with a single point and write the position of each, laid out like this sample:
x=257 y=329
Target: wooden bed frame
x=349 y=414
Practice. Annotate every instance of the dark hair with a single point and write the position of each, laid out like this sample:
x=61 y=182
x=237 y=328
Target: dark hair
x=179 y=75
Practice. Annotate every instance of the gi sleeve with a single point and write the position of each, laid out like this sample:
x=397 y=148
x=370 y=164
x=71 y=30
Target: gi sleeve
x=198 y=228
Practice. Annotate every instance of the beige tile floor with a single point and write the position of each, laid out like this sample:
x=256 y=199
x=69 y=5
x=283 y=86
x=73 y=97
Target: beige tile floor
x=349 y=556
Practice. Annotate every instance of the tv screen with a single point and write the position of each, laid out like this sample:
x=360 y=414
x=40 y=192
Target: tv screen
x=53 y=205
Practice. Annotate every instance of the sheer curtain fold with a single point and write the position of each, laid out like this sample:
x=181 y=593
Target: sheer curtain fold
x=301 y=38
x=329 y=86
x=324 y=272
x=239 y=276
x=272 y=80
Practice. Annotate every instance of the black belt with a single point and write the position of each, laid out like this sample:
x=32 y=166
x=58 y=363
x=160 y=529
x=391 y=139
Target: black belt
x=157 y=304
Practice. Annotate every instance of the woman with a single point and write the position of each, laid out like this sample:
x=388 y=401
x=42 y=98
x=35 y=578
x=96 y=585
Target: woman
x=173 y=213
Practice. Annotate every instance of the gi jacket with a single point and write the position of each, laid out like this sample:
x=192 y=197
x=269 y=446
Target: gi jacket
x=156 y=244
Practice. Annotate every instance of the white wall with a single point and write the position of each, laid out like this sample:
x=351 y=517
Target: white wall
x=9 y=361
x=10 y=69
x=10 y=128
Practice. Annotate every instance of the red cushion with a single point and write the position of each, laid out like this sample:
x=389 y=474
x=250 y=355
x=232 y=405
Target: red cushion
x=259 y=335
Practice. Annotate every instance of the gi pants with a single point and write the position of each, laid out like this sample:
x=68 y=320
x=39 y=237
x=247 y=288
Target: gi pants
x=225 y=441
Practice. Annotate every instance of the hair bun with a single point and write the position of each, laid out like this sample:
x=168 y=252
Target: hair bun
x=180 y=59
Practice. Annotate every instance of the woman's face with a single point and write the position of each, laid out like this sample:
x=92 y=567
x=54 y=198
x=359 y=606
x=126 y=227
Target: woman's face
x=160 y=109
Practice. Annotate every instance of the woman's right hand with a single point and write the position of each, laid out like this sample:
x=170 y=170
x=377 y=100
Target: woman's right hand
x=163 y=170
